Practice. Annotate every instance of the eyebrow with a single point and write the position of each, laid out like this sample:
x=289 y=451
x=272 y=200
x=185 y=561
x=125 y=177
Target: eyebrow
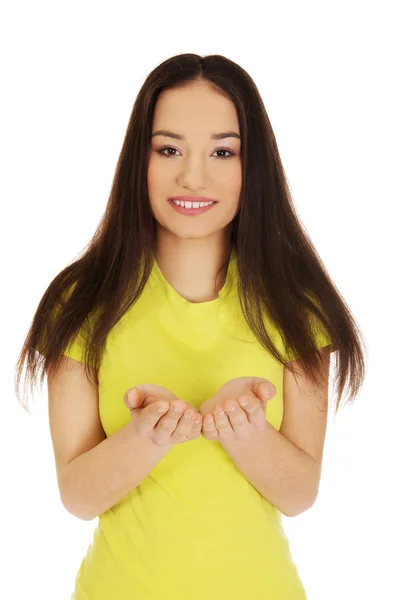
x=213 y=136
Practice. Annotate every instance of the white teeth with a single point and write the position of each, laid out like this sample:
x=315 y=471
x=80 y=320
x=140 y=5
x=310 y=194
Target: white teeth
x=191 y=204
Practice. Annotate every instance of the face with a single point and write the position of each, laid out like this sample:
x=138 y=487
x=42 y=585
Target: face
x=195 y=165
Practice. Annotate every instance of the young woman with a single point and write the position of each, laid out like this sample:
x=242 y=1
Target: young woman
x=199 y=291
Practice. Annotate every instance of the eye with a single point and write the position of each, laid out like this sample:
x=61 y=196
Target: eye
x=161 y=152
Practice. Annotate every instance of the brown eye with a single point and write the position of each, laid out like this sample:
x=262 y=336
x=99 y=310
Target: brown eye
x=161 y=151
x=225 y=150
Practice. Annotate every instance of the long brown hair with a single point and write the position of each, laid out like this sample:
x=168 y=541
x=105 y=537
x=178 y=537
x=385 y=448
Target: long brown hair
x=279 y=270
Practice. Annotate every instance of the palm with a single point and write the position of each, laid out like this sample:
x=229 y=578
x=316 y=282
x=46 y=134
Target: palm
x=152 y=393
x=231 y=390
x=157 y=392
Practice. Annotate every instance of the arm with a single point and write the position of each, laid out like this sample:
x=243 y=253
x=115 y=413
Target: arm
x=283 y=473
x=96 y=480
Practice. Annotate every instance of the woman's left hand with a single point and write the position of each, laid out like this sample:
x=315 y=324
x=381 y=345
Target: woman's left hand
x=244 y=421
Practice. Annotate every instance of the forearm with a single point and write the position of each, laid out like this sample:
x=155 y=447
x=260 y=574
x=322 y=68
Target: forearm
x=284 y=474
x=96 y=480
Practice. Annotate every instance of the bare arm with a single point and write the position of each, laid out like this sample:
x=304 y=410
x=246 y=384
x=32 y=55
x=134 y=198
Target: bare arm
x=283 y=473
x=96 y=480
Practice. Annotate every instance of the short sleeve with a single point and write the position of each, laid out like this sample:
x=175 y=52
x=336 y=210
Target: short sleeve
x=320 y=335
x=76 y=348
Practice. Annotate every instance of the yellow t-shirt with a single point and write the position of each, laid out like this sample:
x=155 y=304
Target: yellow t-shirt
x=195 y=527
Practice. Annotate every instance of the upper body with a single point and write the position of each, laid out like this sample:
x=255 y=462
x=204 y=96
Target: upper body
x=195 y=518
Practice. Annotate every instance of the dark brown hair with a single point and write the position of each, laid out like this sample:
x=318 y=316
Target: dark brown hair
x=279 y=270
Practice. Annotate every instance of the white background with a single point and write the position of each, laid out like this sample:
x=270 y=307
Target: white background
x=328 y=75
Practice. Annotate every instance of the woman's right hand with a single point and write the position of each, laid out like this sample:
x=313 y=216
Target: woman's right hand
x=163 y=428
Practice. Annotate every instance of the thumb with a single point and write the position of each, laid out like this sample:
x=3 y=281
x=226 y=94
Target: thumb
x=134 y=397
x=263 y=391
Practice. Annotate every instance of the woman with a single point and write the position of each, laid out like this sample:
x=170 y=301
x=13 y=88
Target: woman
x=198 y=308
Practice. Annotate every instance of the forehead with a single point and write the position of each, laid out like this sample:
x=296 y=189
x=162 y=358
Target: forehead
x=195 y=111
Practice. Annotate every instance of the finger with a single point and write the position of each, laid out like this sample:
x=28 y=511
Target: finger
x=197 y=422
x=237 y=416
x=167 y=423
x=209 y=430
x=266 y=391
x=196 y=427
x=249 y=404
x=143 y=395
x=171 y=417
x=184 y=427
x=208 y=421
x=133 y=398
x=222 y=423
x=254 y=410
x=150 y=417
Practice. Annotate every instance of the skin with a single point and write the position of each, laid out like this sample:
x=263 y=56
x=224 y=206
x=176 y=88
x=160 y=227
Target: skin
x=238 y=409
x=191 y=249
x=215 y=420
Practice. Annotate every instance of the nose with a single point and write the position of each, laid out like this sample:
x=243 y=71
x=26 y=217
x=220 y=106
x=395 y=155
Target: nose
x=193 y=175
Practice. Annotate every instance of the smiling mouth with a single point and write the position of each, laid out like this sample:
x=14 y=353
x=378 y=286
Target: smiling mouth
x=190 y=204
x=190 y=209
x=193 y=198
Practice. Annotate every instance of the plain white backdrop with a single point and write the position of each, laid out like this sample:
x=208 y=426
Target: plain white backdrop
x=328 y=75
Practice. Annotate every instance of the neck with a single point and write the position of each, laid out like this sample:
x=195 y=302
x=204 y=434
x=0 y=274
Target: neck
x=192 y=266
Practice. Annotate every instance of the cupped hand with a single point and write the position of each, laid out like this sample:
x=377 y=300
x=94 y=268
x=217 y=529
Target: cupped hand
x=180 y=422
x=147 y=393
x=222 y=424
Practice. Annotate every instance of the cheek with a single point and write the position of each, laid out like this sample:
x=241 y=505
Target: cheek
x=233 y=192
x=233 y=183
x=157 y=186
x=154 y=177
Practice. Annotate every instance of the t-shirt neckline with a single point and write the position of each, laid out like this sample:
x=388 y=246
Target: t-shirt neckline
x=184 y=304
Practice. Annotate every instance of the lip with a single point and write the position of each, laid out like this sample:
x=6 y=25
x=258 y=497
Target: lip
x=193 y=198
x=191 y=212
